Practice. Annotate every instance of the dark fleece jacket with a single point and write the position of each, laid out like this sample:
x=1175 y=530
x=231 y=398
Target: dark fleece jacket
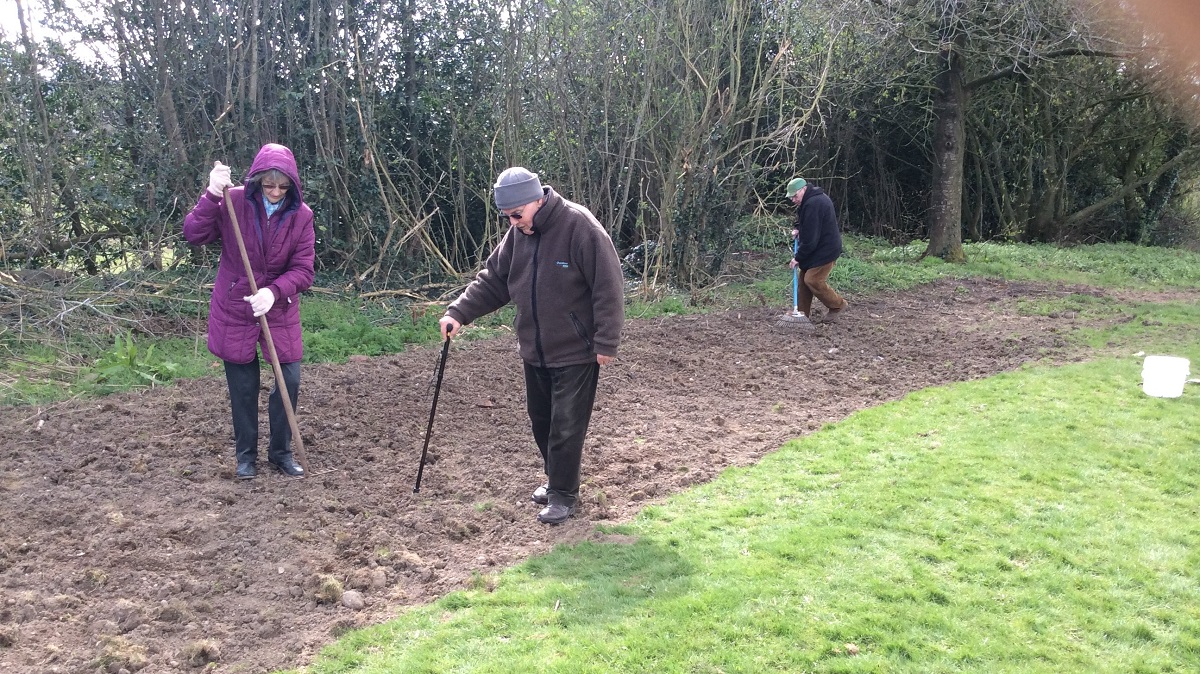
x=565 y=280
x=820 y=240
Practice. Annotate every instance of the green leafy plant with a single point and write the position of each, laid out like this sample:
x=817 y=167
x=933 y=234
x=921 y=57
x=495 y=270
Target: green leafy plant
x=126 y=364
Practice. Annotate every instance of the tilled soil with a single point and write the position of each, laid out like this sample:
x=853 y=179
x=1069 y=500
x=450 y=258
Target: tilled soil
x=127 y=544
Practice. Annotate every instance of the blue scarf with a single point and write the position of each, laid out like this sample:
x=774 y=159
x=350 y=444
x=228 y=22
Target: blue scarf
x=271 y=208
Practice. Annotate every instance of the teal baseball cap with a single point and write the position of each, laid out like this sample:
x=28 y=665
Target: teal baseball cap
x=795 y=186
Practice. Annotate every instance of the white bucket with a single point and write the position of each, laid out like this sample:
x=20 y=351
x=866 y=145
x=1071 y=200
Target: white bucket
x=1164 y=376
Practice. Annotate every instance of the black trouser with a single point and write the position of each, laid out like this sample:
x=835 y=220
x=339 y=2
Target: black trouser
x=559 y=400
x=243 y=383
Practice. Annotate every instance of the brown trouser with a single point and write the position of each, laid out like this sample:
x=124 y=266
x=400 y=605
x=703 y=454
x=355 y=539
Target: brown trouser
x=815 y=282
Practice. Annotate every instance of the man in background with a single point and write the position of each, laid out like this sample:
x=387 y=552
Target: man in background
x=818 y=246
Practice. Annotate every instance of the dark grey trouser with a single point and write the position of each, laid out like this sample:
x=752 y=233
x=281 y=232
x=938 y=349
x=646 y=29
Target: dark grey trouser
x=243 y=383
x=559 y=401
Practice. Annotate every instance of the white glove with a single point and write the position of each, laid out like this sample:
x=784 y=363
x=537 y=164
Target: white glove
x=261 y=301
x=218 y=179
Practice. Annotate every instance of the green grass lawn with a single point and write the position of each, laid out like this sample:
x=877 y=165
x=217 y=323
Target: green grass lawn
x=1044 y=520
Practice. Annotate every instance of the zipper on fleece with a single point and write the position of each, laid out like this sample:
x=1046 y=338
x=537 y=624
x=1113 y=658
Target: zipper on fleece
x=579 y=330
x=537 y=326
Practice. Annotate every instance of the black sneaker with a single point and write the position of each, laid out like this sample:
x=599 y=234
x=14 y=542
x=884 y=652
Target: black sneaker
x=556 y=513
x=246 y=470
x=288 y=467
x=539 y=495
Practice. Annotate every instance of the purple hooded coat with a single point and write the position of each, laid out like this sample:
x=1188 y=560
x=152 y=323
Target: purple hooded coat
x=281 y=252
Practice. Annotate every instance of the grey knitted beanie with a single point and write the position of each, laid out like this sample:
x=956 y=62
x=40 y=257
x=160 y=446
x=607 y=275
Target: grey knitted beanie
x=517 y=186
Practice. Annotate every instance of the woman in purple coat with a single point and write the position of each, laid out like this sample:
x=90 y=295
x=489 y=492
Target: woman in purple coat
x=277 y=228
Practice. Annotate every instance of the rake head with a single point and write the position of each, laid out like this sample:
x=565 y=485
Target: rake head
x=795 y=320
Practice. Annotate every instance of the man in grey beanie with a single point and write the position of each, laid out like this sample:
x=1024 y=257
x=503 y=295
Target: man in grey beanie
x=557 y=264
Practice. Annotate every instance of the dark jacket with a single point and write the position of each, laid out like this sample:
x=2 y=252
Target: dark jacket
x=281 y=252
x=565 y=280
x=820 y=240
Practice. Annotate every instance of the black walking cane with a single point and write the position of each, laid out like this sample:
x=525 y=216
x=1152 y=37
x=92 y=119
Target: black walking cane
x=441 y=368
x=280 y=384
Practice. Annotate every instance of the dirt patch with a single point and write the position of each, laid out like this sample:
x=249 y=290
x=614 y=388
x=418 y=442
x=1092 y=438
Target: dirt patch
x=127 y=544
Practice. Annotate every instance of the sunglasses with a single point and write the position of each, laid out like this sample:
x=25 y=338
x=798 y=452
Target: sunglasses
x=268 y=186
x=512 y=216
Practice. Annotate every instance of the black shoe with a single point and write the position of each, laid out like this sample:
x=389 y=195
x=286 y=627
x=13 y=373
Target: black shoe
x=246 y=470
x=556 y=513
x=539 y=495
x=288 y=467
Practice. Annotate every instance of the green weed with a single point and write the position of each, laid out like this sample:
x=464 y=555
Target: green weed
x=128 y=365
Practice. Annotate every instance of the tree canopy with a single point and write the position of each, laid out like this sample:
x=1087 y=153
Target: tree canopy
x=674 y=120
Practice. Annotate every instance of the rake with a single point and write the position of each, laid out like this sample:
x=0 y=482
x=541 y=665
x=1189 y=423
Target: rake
x=796 y=320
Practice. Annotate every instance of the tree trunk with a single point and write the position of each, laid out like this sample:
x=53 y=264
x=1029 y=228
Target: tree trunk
x=945 y=212
x=38 y=148
x=1185 y=157
x=166 y=96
